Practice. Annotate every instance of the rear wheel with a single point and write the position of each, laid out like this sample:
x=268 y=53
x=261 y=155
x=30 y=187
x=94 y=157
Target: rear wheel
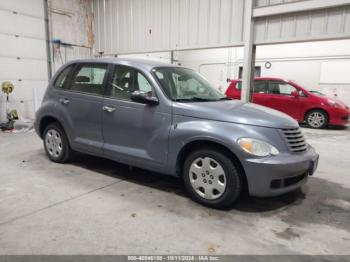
x=211 y=178
x=316 y=119
x=56 y=144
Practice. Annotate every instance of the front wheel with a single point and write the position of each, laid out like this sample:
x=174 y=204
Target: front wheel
x=211 y=178
x=317 y=119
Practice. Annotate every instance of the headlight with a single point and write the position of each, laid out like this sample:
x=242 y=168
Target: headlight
x=333 y=103
x=257 y=147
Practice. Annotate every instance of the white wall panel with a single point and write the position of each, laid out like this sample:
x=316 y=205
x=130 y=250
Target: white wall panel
x=12 y=46
x=335 y=72
x=127 y=26
x=23 y=58
x=16 y=24
x=28 y=7
x=24 y=90
x=12 y=68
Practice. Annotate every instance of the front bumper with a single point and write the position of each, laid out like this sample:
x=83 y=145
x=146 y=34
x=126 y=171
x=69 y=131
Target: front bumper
x=279 y=174
x=340 y=117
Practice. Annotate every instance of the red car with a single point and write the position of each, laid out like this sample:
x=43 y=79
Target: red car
x=315 y=109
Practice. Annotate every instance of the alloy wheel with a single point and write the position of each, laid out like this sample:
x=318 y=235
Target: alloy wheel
x=316 y=119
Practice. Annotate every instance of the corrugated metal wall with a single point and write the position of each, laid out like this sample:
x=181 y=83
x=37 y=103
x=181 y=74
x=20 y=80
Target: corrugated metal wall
x=124 y=26
x=140 y=26
x=261 y=3
x=315 y=25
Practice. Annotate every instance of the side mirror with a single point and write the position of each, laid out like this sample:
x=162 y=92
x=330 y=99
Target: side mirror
x=143 y=98
x=295 y=94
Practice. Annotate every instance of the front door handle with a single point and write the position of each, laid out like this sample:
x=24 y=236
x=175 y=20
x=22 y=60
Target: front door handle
x=64 y=101
x=109 y=109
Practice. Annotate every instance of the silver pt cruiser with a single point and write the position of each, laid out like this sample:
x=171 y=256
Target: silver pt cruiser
x=170 y=120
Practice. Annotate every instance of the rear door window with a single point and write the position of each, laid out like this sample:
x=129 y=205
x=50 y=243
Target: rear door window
x=88 y=78
x=281 y=88
x=259 y=87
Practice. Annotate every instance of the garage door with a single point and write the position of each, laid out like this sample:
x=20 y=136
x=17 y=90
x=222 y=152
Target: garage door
x=23 y=58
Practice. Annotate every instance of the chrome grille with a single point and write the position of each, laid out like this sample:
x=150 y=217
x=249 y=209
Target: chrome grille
x=295 y=140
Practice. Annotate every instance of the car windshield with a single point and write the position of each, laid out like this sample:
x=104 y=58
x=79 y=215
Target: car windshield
x=185 y=85
x=317 y=93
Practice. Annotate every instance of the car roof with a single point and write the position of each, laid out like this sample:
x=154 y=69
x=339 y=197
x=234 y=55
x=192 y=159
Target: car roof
x=137 y=63
x=264 y=78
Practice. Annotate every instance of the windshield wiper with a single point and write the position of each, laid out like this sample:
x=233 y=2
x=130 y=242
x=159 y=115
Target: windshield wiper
x=200 y=99
x=194 y=99
x=225 y=98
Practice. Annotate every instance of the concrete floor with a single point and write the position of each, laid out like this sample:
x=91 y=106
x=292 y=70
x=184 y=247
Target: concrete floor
x=95 y=206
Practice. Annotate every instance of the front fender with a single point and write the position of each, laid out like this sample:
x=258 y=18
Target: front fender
x=187 y=129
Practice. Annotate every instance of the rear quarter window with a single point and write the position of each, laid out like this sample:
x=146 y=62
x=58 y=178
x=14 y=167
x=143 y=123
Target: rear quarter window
x=62 y=79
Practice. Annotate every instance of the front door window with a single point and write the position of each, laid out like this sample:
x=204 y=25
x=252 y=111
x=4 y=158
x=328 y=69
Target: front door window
x=281 y=88
x=126 y=80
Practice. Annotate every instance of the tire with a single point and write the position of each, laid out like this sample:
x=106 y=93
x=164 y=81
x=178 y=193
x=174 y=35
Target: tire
x=56 y=144
x=205 y=185
x=317 y=119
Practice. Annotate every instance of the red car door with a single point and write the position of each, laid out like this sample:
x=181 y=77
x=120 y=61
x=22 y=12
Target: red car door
x=260 y=93
x=282 y=99
x=234 y=90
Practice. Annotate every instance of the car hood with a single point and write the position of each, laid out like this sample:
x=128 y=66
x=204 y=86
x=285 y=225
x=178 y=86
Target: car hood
x=325 y=99
x=341 y=103
x=235 y=112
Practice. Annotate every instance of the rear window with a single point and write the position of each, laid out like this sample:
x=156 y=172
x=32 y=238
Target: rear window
x=260 y=87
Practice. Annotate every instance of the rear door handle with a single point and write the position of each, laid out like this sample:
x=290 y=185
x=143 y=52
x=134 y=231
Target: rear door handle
x=64 y=101
x=109 y=109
